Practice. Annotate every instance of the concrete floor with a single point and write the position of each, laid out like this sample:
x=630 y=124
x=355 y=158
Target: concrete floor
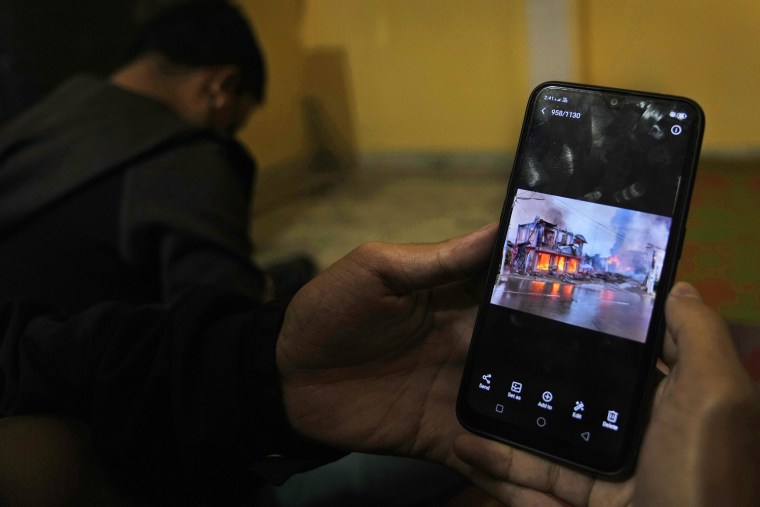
x=376 y=205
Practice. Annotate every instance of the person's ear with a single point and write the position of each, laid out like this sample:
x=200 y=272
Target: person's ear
x=223 y=86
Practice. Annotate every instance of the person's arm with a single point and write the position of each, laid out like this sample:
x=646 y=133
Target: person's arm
x=185 y=218
x=181 y=400
x=371 y=350
x=371 y=354
x=368 y=358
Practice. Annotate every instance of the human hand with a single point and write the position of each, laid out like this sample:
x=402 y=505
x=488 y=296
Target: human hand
x=702 y=446
x=371 y=351
x=703 y=442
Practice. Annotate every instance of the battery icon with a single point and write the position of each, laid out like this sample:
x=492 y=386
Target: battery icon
x=678 y=115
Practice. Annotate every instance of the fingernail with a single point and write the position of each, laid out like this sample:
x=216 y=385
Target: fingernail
x=685 y=290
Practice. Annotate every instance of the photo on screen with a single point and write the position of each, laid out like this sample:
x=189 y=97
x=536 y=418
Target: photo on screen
x=582 y=263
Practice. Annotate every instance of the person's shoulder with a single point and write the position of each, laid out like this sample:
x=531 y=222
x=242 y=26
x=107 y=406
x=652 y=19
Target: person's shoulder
x=73 y=92
x=209 y=151
x=79 y=85
x=69 y=94
x=90 y=105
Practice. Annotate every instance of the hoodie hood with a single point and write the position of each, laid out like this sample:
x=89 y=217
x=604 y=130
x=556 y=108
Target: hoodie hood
x=82 y=130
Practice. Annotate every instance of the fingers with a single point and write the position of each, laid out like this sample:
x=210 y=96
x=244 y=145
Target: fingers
x=412 y=267
x=509 y=474
x=512 y=494
x=680 y=289
x=696 y=333
x=706 y=358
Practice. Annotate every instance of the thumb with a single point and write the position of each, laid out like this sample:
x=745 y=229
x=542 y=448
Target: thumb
x=697 y=335
x=413 y=267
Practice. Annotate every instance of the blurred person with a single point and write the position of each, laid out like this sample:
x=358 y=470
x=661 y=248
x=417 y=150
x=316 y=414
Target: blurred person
x=366 y=357
x=132 y=188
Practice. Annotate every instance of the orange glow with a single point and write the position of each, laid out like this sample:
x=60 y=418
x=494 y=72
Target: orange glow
x=543 y=261
x=555 y=288
x=572 y=266
x=537 y=287
x=567 y=290
x=561 y=264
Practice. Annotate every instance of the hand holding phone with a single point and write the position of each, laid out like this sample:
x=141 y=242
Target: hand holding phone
x=571 y=322
x=701 y=445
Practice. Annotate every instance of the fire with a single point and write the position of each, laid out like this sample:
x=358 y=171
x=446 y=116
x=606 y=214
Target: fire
x=543 y=261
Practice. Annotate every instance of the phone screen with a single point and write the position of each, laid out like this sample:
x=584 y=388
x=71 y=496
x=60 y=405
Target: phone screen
x=569 y=329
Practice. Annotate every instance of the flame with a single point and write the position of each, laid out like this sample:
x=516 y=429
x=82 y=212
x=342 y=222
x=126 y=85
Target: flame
x=543 y=261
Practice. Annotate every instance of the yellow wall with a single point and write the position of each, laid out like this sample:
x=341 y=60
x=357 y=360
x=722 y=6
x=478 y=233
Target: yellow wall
x=429 y=74
x=708 y=50
x=384 y=76
x=276 y=133
x=420 y=75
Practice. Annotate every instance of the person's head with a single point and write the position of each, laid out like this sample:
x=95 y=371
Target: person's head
x=208 y=48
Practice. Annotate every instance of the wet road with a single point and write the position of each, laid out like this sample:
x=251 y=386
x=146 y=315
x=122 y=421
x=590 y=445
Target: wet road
x=617 y=309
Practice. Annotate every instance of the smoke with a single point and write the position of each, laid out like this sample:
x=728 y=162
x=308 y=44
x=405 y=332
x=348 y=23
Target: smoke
x=554 y=215
x=620 y=223
x=637 y=236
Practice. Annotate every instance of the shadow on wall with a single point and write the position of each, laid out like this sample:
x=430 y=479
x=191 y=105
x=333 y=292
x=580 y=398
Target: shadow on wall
x=304 y=136
x=327 y=111
x=330 y=152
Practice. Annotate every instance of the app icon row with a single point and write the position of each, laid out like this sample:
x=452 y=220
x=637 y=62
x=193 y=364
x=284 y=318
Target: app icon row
x=545 y=403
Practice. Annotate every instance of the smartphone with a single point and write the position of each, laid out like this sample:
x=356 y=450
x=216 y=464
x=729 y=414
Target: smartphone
x=565 y=345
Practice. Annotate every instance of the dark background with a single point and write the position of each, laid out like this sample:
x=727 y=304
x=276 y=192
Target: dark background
x=44 y=41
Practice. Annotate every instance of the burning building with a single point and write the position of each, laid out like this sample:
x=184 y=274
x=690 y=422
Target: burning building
x=545 y=247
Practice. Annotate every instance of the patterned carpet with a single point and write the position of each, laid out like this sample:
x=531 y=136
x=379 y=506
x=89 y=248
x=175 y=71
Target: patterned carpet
x=721 y=254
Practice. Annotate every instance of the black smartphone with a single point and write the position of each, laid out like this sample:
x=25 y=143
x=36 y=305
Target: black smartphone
x=567 y=336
